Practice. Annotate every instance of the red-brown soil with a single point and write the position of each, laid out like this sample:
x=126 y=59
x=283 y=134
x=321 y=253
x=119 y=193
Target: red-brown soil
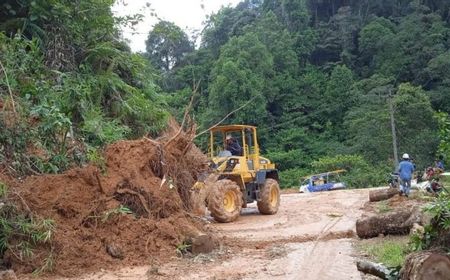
x=151 y=178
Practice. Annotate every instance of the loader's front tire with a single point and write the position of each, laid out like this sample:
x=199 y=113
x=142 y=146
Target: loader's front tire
x=269 y=201
x=225 y=201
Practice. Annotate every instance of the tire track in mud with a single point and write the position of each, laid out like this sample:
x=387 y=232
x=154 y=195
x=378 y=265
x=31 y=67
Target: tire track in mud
x=320 y=242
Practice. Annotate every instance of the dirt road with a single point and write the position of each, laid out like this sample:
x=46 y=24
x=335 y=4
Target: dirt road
x=309 y=238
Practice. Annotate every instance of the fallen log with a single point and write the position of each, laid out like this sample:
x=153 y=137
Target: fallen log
x=372 y=268
x=383 y=194
x=426 y=265
x=395 y=222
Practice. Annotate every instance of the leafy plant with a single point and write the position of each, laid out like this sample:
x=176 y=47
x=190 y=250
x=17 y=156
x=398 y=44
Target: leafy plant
x=48 y=264
x=182 y=248
x=110 y=214
x=21 y=233
x=121 y=210
x=95 y=156
x=435 y=232
x=3 y=190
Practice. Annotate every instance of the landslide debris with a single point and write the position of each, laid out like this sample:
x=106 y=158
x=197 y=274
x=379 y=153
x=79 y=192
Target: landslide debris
x=134 y=210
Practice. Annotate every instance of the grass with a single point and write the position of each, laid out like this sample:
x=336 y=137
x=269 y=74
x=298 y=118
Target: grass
x=390 y=252
x=383 y=207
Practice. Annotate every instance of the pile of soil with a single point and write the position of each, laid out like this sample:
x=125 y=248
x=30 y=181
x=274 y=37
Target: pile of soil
x=391 y=204
x=152 y=178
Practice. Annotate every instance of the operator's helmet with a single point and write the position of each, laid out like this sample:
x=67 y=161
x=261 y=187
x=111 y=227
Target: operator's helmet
x=228 y=137
x=405 y=156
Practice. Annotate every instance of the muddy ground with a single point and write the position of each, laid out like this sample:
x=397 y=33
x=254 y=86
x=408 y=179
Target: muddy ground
x=311 y=237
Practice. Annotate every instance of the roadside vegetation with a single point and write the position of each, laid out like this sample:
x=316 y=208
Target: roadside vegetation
x=22 y=232
x=389 y=251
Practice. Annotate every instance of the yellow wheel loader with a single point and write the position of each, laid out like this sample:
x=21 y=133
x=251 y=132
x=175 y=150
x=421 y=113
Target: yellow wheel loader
x=243 y=176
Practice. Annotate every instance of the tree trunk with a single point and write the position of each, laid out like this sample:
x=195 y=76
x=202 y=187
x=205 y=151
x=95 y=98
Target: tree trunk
x=383 y=194
x=396 y=222
x=376 y=269
x=426 y=265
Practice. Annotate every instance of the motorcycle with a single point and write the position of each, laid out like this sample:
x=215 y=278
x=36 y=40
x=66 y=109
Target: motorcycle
x=394 y=180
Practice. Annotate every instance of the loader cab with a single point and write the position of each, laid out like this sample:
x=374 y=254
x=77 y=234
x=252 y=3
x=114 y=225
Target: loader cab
x=244 y=135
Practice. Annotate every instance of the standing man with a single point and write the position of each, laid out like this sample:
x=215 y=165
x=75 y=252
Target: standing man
x=406 y=169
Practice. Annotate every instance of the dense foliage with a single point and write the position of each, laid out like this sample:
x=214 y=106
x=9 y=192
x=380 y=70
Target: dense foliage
x=325 y=79
x=68 y=84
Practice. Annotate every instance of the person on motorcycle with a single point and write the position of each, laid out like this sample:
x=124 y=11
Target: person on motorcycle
x=405 y=169
x=439 y=165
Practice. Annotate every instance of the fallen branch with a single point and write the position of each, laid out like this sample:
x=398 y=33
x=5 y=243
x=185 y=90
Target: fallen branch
x=152 y=141
x=22 y=200
x=186 y=113
x=375 y=269
x=99 y=182
x=226 y=117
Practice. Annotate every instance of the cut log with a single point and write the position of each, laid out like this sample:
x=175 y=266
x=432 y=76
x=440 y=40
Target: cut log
x=426 y=265
x=376 y=269
x=395 y=222
x=383 y=194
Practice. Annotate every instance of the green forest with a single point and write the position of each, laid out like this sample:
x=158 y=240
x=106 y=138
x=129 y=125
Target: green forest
x=321 y=79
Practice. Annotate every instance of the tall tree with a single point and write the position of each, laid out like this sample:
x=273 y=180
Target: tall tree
x=167 y=45
x=239 y=75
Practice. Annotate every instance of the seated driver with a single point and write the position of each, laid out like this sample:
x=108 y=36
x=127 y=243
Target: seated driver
x=233 y=146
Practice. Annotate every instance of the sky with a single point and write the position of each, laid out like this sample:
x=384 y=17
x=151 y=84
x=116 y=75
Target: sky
x=187 y=14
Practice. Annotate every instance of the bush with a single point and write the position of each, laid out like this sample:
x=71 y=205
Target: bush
x=291 y=178
x=290 y=159
x=347 y=162
x=437 y=233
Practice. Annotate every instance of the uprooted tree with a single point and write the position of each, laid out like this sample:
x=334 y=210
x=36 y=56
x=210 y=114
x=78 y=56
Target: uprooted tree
x=134 y=207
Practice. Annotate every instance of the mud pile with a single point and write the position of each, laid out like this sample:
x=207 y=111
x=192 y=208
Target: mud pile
x=152 y=178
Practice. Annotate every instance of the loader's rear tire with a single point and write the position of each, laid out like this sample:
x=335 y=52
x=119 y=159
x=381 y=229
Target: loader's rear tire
x=269 y=197
x=225 y=201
